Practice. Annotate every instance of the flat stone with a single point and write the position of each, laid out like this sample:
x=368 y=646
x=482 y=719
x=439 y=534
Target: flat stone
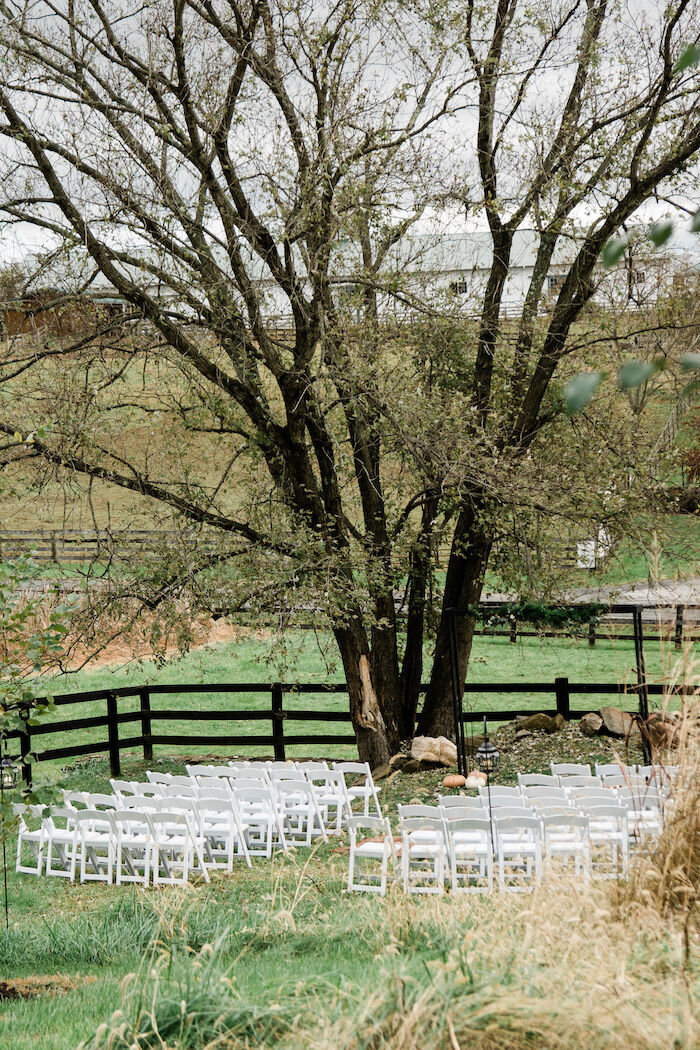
x=398 y=760
x=412 y=766
x=618 y=723
x=522 y=734
x=381 y=772
x=539 y=722
x=591 y=724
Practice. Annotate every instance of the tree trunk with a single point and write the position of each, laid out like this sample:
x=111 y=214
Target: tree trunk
x=463 y=584
x=377 y=736
x=412 y=666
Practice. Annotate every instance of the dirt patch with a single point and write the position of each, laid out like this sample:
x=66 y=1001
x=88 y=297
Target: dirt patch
x=134 y=645
x=30 y=987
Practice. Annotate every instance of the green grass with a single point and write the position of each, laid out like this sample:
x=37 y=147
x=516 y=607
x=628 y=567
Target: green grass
x=308 y=966
x=255 y=657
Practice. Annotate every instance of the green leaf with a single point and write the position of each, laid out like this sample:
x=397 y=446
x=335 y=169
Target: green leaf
x=690 y=362
x=634 y=373
x=689 y=57
x=613 y=251
x=660 y=232
x=581 y=389
x=695 y=224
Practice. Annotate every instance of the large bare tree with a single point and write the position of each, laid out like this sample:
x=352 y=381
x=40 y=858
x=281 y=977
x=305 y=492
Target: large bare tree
x=232 y=168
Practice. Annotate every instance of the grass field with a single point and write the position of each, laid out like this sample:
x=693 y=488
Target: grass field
x=281 y=956
x=309 y=658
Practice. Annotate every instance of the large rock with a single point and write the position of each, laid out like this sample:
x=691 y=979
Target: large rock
x=436 y=749
x=591 y=724
x=663 y=730
x=538 y=722
x=618 y=723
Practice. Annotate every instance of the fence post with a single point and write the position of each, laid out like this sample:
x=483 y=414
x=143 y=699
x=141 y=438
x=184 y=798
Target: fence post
x=591 y=633
x=278 y=717
x=54 y=553
x=25 y=745
x=513 y=631
x=145 y=698
x=561 y=690
x=113 y=735
x=678 y=638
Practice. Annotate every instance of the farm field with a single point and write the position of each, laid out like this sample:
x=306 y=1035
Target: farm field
x=308 y=658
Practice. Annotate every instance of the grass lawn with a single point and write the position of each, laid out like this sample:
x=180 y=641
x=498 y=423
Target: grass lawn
x=309 y=658
x=297 y=962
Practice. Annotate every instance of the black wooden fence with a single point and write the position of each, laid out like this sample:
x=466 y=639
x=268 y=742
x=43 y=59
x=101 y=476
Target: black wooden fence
x=278 y=739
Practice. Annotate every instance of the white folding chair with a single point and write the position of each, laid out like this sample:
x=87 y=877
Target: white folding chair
x=61 y=842
x=96 y=841
x=361 y=786
x=376 y=844
x=223 y=832
x=174 y=848
x=423 y=853
x=33 y=836
x=609 y=837
x=259 y=810
x=99 y=801
x=645 y=810
x=158 y=778
x=300 y=811
x=122 y=788
x=469 y=851
x=134 y=846
x=329 y=788
x=518 y=850
x=567 y=841
x=188 y=805
x=498 y=791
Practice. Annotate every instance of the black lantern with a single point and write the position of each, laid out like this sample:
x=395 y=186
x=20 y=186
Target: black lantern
x=488 y=756
x=9 y=774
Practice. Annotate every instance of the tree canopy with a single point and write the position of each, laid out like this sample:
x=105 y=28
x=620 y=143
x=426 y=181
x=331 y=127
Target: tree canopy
x=257 y=181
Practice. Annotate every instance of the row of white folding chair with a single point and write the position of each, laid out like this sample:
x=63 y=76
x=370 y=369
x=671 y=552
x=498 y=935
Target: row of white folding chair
x=102 y=842
x=209 y=813
x=571 y=834
x=334 y=794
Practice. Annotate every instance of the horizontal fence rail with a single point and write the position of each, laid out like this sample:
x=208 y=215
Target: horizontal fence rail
x=278 y=738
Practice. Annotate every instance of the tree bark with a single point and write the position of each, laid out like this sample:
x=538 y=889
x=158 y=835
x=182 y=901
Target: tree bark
x=376 y=740
x=469 y=555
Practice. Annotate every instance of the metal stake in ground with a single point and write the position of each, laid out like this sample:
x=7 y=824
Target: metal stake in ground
x=488 y=757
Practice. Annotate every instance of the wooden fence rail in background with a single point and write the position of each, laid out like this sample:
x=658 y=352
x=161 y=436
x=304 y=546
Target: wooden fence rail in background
x=278 y=738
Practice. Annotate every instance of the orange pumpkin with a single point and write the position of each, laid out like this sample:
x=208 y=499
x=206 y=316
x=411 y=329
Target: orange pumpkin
x=454 y=780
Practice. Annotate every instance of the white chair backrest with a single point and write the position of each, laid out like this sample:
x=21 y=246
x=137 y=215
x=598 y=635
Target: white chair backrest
x=516 y=821
x=123 y=787
x=448 y=802
x=245 y=783
x=577 y=780
x=504 y=802
x=565 y=769
x=210 y=794
x=133 y=821
x=612 y=769
x=158 y=778
x=103 y=802
x=537 y=780
x=463 y=812
x=544 y=792
x=565 y=819
x=75 y=799
x=516 y=812
x=408 y=812
x=603 y=795
x=146 y=802
x=179 y=790
x=624 y=780
x=94 y=820
x=499 y=791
